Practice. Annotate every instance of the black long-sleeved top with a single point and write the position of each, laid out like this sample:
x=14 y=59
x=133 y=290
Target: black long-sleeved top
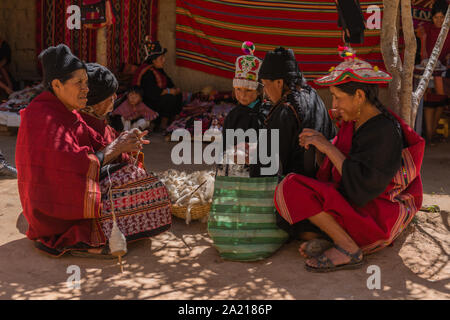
x=152 y=92
x=374 y=159
x=244 y=117
x=165 y=105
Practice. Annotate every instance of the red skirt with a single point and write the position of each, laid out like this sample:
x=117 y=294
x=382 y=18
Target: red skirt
x=372 y=227
x=380 y=221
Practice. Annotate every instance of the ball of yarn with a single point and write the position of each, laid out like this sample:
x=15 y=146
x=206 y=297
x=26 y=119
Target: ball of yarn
x=248 y=47
x=117 y=241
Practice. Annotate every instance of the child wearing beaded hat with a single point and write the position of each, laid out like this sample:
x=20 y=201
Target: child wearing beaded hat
x=247 y=90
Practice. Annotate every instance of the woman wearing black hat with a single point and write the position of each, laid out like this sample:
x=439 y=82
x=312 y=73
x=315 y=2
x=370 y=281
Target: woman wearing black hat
x=160 y=93
x=58 y=167
x=102 y=94
x=294 y=105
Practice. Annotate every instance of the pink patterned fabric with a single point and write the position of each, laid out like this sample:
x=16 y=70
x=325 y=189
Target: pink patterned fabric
x=130 y=112
x=141 y=203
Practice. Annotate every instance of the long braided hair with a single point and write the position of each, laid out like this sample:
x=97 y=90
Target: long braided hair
x=371 y=91
x=299 y=92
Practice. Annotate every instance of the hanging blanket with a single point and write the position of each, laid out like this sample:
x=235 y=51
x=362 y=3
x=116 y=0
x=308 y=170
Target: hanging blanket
x=209 y=34
x=133 y=20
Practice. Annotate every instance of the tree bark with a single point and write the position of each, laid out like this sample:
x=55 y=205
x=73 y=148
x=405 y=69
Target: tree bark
x=389 y=50
x=407 y=107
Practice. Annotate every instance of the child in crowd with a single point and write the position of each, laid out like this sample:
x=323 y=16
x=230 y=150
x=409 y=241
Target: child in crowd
x=247 y=114
x=134 y=113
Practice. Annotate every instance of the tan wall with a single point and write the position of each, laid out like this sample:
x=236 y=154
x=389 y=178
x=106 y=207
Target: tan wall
x=17 y=27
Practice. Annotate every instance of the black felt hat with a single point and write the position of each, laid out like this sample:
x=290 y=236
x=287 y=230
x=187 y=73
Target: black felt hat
x=279 y=64
x=102 y=83
x=154 y=50
x=58 y=62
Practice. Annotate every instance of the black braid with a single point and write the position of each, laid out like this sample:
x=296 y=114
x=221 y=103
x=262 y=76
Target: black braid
x=299 y=92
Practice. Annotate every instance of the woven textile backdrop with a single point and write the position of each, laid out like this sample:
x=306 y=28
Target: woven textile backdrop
x=209 y=33
x=134 y=20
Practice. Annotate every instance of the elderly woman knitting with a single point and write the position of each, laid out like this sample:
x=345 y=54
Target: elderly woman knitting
x=59 y=158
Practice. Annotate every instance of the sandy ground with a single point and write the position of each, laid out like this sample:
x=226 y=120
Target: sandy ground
x=415 y=267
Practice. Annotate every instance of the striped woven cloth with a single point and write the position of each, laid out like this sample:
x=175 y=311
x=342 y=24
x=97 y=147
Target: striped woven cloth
x=242 y=220
x=209 y=33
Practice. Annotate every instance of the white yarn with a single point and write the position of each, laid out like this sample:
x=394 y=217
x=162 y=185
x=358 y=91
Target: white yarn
x=189 y=189
x=117 y=241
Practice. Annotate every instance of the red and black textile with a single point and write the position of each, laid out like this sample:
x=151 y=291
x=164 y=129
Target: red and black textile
x=209 y=33
x=140 y=202
x=133 y=20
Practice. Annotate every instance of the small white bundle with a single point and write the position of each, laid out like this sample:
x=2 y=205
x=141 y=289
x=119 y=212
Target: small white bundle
x=189 y=189
x=183 y=187
x=117 y=241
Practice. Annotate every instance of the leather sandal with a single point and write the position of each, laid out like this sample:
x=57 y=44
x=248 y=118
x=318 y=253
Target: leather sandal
x=324 y=264
x=105 y=254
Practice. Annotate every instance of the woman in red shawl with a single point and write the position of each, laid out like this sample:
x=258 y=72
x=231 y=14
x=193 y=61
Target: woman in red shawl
x=434 y=103
x=368 y=187
x=58 y=167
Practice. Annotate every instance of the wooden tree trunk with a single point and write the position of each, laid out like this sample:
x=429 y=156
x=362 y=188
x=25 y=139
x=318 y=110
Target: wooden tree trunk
x=406 y=108
x=389 y=50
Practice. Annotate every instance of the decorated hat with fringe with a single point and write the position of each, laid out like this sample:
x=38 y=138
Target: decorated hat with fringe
x=247 y=68
x=353 y=69
x=153 y=49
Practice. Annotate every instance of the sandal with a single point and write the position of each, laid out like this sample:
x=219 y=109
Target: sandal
x=324 y=264
x=316 y=247
x=105 y=254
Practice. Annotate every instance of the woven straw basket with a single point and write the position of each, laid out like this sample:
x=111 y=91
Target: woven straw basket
x=197 y=211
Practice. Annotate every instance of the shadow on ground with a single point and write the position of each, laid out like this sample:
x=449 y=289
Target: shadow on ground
x=167 y=267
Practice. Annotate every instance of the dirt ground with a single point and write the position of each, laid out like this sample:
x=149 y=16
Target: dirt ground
x=415 y=267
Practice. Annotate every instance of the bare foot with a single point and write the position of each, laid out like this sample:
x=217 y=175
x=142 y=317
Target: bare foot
x=302 y=248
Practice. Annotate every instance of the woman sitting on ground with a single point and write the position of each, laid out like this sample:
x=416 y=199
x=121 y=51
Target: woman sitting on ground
x=55 y=151
x=434 y=103
x=101 y=96
x=368 y=187
x=152 y=214
x=294 y=105
x=160 y=93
